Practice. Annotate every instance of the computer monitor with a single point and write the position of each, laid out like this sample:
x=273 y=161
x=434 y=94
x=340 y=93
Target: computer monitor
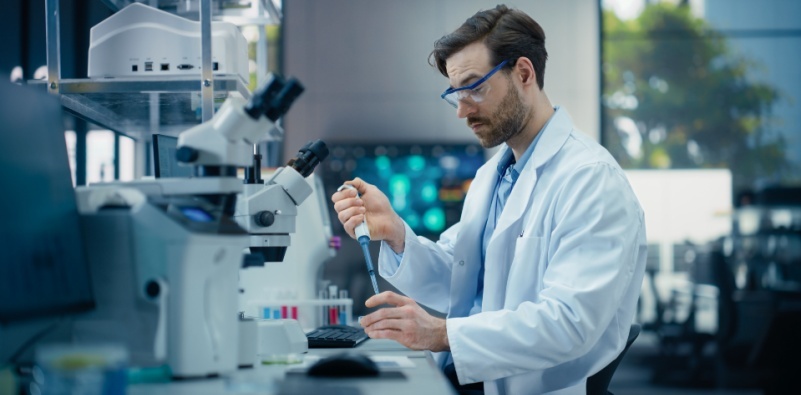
x=165 y=164
x=43 y=266
x=425 y=183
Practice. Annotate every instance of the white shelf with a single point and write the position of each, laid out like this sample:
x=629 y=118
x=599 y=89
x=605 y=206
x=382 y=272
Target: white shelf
x=238 y=12
x=138 y=106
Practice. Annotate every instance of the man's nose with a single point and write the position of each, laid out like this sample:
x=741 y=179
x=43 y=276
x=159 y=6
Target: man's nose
x=464 y=109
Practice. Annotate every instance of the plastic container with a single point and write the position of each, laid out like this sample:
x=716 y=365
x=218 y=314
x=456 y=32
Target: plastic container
x=80 y=369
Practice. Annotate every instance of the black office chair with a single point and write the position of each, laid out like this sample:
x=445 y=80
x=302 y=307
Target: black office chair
x=598 y=383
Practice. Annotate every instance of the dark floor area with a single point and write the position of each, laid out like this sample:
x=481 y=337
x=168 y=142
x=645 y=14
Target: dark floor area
x=634 y=375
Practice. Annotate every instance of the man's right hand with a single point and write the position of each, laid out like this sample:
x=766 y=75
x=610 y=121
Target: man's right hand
x=382 y=221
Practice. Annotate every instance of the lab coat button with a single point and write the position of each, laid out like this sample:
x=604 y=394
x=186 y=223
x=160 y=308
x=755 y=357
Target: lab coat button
x=461 y=263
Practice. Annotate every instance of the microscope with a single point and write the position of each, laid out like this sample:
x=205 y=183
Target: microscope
x=267 y=210
x=165 y=253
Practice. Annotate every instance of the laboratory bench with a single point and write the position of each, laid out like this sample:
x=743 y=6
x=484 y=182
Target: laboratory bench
x=424 y=377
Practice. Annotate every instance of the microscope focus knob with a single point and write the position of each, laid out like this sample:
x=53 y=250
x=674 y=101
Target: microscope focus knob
x=186 y=154
x=264 y=218
x=152 y=289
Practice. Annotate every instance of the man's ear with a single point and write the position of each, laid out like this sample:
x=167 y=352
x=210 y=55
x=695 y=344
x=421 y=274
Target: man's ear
x=525 y=69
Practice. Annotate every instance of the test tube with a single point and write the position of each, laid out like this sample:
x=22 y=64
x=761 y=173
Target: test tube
x=332 y=308
x=323 y=294
x=343 y=317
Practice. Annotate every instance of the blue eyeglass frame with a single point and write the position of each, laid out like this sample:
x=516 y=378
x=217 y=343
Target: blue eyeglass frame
x=475 y=84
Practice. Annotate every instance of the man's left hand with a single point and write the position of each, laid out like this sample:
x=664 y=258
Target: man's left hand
x=407 y=323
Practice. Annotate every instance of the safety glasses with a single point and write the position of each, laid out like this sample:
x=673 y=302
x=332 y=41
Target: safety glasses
x=474 y=92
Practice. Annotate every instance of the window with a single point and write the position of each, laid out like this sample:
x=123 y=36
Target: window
x=69 y=135
x=700 y=103
x=704 y=84
x=100 y=156
x=126 y=158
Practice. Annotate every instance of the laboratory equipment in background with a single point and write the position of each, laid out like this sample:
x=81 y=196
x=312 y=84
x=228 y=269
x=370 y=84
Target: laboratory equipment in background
x=758 y=272
x=267 y=210
x=764 y=248
x=750 y=281
x=165 y=164
x=80 y=369
x=289 y=289
x=270 y=341
x=166 y=253
x=44 y=271
x=140 y=40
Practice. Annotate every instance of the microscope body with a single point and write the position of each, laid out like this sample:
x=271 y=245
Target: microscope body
x=227 y=139
x=165 y=272
x=268 y=212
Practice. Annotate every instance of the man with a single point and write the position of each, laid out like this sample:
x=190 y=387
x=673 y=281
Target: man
x=541 y=276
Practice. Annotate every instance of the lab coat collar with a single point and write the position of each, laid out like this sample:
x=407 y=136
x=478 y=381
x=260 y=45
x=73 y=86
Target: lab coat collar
x=556 y=132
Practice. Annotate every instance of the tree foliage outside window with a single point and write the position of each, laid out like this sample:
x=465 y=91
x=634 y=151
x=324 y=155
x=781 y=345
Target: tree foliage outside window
x=676 y=95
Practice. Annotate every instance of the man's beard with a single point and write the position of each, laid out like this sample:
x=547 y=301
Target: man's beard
x=507 y=121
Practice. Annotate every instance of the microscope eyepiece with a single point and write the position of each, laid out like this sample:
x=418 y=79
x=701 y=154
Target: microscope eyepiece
x=281 y=102
x=309 y=157
x=274 y=98
x=264 y=96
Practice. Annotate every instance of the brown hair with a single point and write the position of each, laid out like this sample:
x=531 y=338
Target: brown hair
x=508 y=33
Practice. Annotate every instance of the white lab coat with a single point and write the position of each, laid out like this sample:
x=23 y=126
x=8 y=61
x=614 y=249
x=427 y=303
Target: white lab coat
x=563 y=270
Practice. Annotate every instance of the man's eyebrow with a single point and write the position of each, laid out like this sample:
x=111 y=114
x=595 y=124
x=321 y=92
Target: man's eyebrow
x=463 y=81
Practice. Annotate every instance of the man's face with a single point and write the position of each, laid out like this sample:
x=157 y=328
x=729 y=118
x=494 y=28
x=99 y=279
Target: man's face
x=502 y=114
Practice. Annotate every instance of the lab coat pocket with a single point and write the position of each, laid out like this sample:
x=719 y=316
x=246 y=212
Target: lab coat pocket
x=528 y=267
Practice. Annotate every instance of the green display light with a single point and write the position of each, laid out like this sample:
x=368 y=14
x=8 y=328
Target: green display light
x=399 y=184
x=429 y=193
x=412 y=219
x=416 y=163
x=383 y=163
x=434 y=219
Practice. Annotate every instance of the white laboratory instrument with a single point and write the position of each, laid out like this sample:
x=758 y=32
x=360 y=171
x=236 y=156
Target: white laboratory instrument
x=272 y=341
x=267 y=211
x=165 y=253
x=295 y=281
x=164 y=259
x=279 y=340
x=140 y=40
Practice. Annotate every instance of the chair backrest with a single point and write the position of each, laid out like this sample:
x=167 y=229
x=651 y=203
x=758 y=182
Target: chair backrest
x=598 y=383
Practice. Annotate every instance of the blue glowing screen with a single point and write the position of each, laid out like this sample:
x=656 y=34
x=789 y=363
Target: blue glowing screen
x=196 y=214
x=425 y=183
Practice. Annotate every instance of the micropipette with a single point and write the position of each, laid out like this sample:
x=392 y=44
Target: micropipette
x=363 y=236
